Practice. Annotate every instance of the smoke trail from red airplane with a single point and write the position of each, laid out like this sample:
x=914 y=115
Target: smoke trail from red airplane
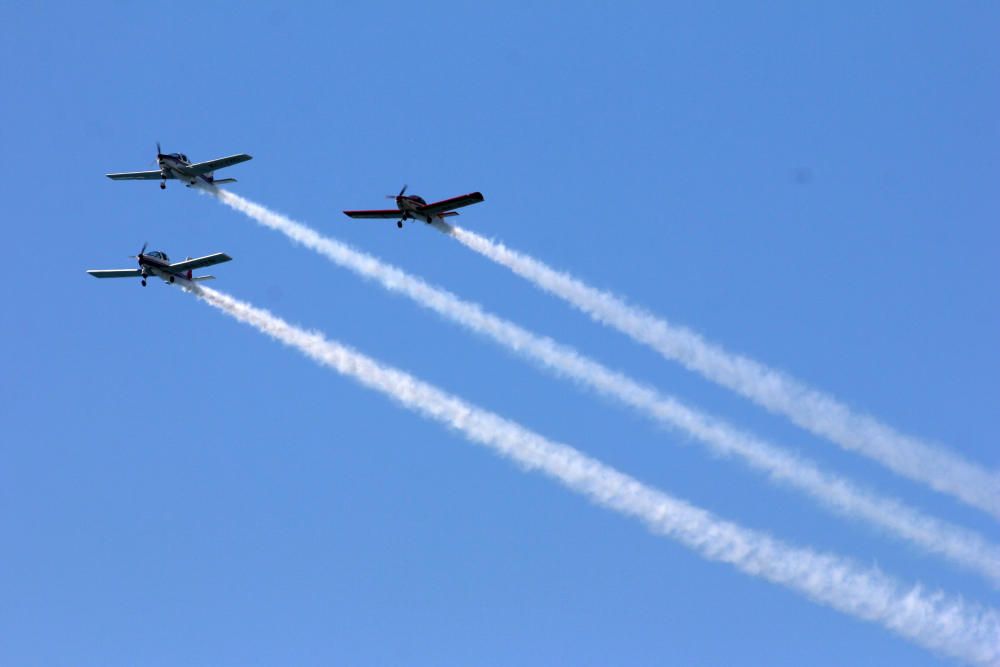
x=938 y=468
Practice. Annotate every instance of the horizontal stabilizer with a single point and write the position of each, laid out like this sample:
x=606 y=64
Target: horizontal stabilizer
x=198 y=279
x=220 y=181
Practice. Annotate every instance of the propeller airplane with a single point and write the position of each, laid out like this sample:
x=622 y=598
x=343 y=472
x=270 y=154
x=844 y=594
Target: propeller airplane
x=156 y=263
x=414 y=207
x=178 y=166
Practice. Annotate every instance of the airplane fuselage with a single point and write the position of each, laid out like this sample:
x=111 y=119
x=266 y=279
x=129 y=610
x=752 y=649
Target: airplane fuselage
x=410 y=206
x=173 y=166
x=151 y=265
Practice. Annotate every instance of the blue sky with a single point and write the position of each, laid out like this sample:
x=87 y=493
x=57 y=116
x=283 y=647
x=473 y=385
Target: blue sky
x=813 y=187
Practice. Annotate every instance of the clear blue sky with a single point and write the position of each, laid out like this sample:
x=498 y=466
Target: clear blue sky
x=814 y=187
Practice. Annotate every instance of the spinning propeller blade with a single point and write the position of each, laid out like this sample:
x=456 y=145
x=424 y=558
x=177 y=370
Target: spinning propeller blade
x=159 y=154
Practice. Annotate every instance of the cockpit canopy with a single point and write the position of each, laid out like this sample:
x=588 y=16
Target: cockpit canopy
x=158 y=254
x=418 y=199
x=180 y=156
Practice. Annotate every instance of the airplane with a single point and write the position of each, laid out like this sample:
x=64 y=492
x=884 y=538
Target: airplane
x=177 y=166
x=412 y=206
x=156 y=263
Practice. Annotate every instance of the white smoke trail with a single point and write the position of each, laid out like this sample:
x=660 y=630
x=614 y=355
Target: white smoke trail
x=963 y=547
x=810 y=409
x=930 y=619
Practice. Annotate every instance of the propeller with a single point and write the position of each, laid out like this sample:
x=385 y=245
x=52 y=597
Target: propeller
x=159 y=154
x=141 y=252
x=401 y=193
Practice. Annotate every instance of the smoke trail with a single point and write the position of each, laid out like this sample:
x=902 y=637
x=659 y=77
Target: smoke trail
x=810 y=409
x=932 y=620
x=961 y=546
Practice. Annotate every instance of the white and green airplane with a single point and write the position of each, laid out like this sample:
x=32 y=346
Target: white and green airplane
x=177 y=166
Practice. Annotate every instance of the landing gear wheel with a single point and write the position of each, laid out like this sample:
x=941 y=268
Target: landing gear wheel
x=171 y=279
x=399 y=223
x=163 y=185
x=143 y=282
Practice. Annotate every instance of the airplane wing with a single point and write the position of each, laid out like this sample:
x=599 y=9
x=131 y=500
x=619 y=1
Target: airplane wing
x=115 y=273
x=451 y=204
x=388 y=213
x=199 y=168
x=200 y=262
x=138 y=176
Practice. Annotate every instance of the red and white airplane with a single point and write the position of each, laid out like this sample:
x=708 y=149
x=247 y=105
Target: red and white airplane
x=414 y=207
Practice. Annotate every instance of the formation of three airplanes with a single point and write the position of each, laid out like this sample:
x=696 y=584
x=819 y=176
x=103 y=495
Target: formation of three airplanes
x=176 y=166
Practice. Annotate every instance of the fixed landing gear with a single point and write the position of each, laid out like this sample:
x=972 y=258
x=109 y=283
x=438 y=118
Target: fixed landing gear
x=143 y=282
x=163 y=185
x=171 y=279
x=399 y=223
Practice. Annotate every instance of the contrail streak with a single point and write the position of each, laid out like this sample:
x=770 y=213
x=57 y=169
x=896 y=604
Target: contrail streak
x=931 y=619
x=942 y=470
x=961 y=546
